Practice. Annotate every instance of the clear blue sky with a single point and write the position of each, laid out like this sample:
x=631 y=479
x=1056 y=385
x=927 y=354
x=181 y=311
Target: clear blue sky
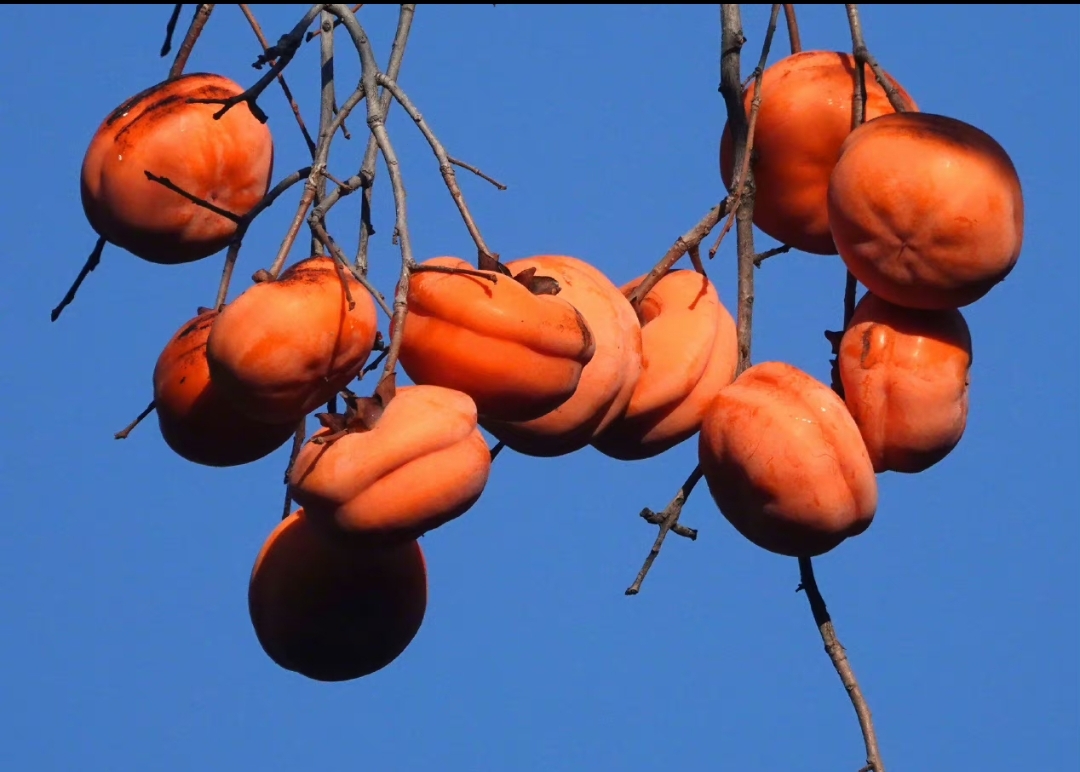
x=126 y=642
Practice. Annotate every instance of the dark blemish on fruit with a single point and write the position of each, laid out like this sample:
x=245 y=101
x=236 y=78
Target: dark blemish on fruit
x=867 y=342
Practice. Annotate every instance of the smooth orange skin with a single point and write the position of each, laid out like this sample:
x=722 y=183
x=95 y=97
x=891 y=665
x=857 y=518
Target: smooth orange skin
x=608 y=380
x=785 y=463
x=423 y=464
x=285 y=347
x=926 y=210
x=518 y=355
x=195 y=419
x=227 y=162
x=906 y=375
x=332 y=610
x=804 y=117
x=689 y=352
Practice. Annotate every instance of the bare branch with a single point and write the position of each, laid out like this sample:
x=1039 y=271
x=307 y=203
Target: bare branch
x=91 y=263
x=761 y=257
x=170 y=28
x=327 y=108
x=792 y=28
x=337 y=23
x=692 y=238
x=477 y=172
x=166 y=182
x=668 y=521
x=371 y=154
x=863 y=56
x=446 y=167
x=202 y=15
x=280 y=77
x=808 y=584
x=283 y=51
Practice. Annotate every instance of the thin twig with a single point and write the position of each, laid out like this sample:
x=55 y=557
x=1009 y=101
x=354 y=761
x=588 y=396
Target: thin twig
x=682 y=245
x=280 y=77
x=668 y=520
x=377 y=124
x=792 y=28
x=202 y=15
x=92 y=262
x=477 y=172
x=123 y=433
x=497 y=449
x=371 y=153
x=761 y=257
x=741 y=181
x=280 y=54
x=242 y=229
x=343 y=262
x=863 y=56
x=327 y=108
x=297 y=446
x=446 y=167
x=166 y=182
x=170 y=28
x=835 y=650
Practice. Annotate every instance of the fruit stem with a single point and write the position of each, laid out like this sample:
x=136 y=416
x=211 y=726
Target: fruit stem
x=792 y=28
x=202 y=15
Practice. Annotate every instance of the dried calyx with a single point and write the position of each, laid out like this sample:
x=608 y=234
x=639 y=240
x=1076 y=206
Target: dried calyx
x=537 y=285
x=361 y=413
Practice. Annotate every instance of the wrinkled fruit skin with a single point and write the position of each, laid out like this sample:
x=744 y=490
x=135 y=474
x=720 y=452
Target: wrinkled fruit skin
x=518 y=355
x=423 y=464
x=227 y=162
x=195 y=419
x=785 y=463
x=334 y=611
x=804 y=117
x=689 y=353
x=906 y=374
x=608 y=380
x=285 y=347
x=926 y=211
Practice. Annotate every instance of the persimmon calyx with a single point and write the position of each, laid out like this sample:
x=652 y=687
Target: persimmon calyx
x=537 y=285
x=361 y=413
x=486 y=262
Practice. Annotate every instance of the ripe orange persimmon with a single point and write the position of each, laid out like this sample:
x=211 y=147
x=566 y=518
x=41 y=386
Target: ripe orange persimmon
x=785 y=462
x=607 y=381
x=905 y=376
x=285 y=347
x=227 y=162
x=689 y=352
x=393 y=472
x=926 y=211
x=518 y=354
x=332 y=610
x=805 y=114
x=196 y=421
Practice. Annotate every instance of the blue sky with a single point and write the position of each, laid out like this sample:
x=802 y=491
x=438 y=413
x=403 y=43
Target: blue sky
x=126 y=641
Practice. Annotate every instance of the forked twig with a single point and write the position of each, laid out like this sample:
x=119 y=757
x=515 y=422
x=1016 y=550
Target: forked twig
x=668 y=520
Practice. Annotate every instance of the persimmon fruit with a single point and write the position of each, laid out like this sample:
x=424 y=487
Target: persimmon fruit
x=804 y=116
x=332 y=610
x=284 y=347
x=689 y=352
x=785 y=463
x=906 y=375
x=607 y=381
x=226 y=162
x=395 y=470
x=518 y=354
x=926 y=210
x=195 y=419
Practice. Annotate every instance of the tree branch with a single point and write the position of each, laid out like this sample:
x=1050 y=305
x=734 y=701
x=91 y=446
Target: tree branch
x=170 y=28
x=202 y=15
x=792 y=28
x=668 y=520
x=92 y=262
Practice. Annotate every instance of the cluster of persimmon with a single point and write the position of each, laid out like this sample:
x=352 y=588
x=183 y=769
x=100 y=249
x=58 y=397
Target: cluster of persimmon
x=549 y=356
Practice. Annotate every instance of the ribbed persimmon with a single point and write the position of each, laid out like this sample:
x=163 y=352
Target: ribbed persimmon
x=689 y=352
x=413 y=465
x=785 y=463
x=805 y=114
x=332 y=610
x=196 y=420
x=518 y=354
x=607 y=381
x=926 y=210
x=227 y=162
x=285 y=347
x=906 y=374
